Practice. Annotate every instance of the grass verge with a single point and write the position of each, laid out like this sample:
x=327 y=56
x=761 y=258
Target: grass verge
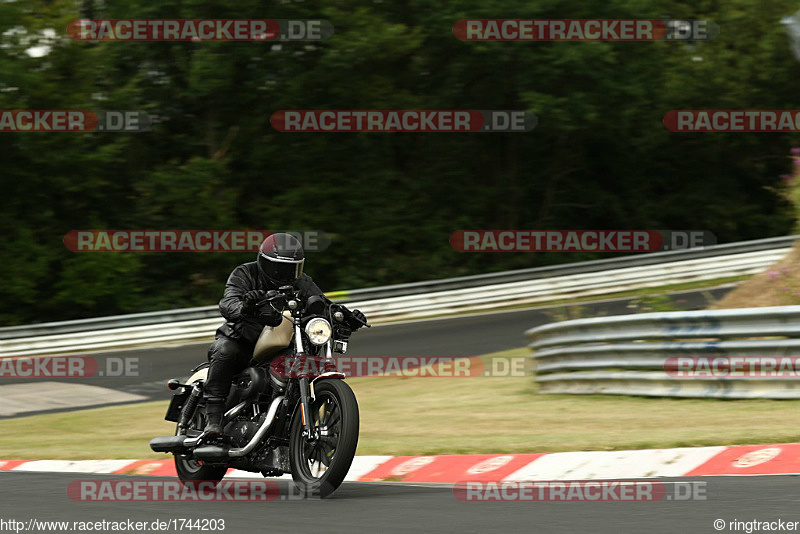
x=777 y=286
x=426 y=415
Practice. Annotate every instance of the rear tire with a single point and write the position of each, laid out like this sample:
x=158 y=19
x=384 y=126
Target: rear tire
x=336 y=407
x=193 y=471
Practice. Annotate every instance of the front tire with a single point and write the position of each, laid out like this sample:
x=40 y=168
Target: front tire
x=319 y=467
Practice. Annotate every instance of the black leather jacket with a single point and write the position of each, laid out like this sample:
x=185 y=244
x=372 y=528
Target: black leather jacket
x=244 y=278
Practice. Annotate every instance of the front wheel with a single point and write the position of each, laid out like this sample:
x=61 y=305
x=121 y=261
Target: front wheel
x=319 y=466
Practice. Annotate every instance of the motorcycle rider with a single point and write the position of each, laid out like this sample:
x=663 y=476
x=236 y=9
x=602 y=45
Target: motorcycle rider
x=279 y=263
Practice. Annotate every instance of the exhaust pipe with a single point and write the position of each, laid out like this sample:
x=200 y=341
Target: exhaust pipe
x=168 y=444
x=262 y=431
x=211 y=452
x=230 y=414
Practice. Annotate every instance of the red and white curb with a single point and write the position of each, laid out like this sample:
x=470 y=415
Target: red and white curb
x=783 y=458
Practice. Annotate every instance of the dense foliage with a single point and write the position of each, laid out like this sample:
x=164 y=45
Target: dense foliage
x=600 y=157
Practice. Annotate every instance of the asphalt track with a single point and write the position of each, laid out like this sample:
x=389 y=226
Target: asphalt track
x=397 y=507
x=469 y=335
x=388 y=507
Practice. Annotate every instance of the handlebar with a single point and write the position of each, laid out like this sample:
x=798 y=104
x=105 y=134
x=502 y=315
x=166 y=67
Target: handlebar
x=362 y=322
x=342 y=308
x=272 y=297
x=285 y=293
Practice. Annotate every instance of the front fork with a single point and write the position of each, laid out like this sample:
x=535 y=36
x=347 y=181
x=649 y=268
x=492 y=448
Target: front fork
x=305 y=390
x=309 y=432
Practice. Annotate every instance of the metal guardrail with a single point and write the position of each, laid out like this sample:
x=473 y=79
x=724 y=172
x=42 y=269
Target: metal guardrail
x=420 y=300
x=774 y=245
x=635 y=354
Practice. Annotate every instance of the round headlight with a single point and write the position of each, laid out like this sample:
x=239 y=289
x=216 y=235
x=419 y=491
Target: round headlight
x=318 y=331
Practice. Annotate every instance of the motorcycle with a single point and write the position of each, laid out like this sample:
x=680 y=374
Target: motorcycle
x=290 y=411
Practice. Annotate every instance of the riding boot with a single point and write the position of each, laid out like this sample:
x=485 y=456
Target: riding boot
x=215 y=408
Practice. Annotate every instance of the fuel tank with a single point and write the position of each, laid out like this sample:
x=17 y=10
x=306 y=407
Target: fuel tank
x=274 y=339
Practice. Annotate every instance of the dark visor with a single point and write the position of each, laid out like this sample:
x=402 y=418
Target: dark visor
x=282 y=270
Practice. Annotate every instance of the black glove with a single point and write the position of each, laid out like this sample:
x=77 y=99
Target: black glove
x=276 y=298
x=250 y=299
x=269 y=315
x=356 y=320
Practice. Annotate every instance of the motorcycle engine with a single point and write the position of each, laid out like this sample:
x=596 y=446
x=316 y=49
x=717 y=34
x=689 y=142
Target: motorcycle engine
x=241 y=432
x=249 y=385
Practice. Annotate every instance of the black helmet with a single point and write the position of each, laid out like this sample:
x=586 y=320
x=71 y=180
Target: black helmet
x=281 y=258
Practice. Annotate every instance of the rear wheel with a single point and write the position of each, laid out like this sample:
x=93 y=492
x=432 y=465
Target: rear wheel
x=320 y=465
x=190 y=470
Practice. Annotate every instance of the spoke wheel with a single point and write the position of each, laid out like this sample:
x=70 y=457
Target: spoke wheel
x=320 y=465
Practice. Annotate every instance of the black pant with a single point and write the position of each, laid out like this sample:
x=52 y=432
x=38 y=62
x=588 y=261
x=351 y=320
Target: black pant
x=228 y=357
